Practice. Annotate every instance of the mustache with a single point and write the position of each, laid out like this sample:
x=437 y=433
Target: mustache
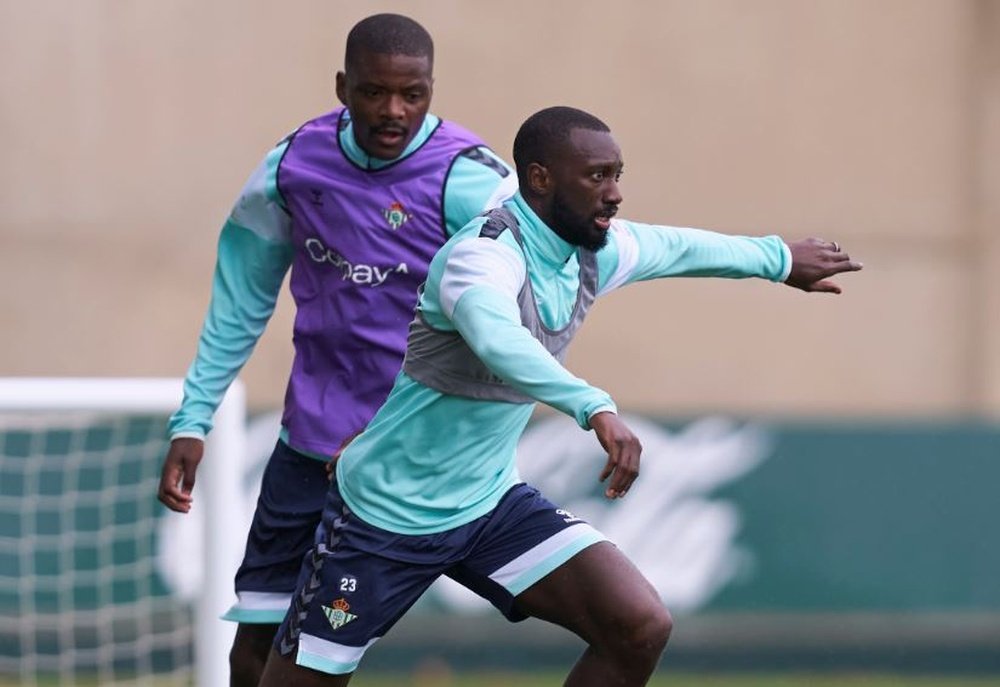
x=389 y=128
x=608 y=212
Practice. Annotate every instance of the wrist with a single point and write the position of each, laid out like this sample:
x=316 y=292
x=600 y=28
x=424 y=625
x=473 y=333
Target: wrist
x=600 y=411
x=188 y=434
x=786 y=271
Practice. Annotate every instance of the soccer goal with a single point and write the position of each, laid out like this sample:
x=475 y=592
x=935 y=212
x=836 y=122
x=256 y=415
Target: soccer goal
x=83 y=599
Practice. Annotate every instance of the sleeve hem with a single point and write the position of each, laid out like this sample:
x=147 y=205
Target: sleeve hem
x=786 y=255
x=187 y=434
x=603 y=408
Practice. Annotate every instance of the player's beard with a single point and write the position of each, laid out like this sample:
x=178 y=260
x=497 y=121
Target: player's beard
x=576 y=229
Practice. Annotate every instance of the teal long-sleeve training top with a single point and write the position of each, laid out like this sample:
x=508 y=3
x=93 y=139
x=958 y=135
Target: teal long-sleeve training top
x=429 y=462
x=255 y=252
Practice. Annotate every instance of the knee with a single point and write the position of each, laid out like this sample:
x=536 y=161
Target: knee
x=639 y=636
x=642 y=637
x=651 y=630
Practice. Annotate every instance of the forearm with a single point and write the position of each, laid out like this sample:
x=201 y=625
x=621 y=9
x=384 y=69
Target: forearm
x=490 y=324
x=245 y=288
x=652 y=252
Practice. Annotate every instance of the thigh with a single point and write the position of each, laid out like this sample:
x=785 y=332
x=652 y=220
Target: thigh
x=524 y=539
x=293 y=491
x=348 y=596
x=282 y=671
x=597 y=591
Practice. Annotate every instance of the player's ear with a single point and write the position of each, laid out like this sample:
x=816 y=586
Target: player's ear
x=539 y=179
x=341 y=87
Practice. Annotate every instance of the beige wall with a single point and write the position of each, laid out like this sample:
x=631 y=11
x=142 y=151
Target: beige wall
x=128 y=127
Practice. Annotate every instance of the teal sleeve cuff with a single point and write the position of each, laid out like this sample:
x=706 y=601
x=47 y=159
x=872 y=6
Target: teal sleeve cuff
x=187 y=434
x=602 y=408
x=786 y=269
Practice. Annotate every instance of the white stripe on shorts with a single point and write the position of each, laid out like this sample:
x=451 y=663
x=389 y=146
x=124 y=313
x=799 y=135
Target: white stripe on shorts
x=329 y=657
x=263 y=601
x=543 y=558
x=258 y=607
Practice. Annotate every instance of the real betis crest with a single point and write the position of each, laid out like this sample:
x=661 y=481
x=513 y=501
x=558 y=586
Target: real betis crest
x=396 y=215
x=337 y=613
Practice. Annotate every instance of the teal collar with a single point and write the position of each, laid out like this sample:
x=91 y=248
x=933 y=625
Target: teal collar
x=539 y=238
x=362 y=159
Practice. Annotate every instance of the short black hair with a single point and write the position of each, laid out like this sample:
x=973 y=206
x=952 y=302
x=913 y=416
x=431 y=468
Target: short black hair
x=388 y=34
x=545 y=131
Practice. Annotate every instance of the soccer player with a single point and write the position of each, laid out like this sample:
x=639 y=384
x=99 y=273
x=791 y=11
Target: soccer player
x=431 y=487
x=356 y=201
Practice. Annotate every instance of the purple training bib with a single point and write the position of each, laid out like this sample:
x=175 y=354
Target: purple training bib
x=363 y=240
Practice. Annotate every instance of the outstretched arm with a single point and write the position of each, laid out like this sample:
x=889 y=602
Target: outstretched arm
x=637 y=252
x=814 y=261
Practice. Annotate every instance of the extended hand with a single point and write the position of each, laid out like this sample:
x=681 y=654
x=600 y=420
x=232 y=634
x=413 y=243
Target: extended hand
x=623 y=450
x=177 y=478
x=814 y=261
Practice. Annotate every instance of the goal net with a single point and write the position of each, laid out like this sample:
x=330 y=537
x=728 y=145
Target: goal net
x=83 y=597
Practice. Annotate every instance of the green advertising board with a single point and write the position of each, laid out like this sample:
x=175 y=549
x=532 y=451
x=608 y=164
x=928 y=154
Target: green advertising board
x=870 y=518
x=763 y=537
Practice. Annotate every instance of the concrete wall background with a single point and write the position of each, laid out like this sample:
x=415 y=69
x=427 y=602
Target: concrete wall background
x=127 y=129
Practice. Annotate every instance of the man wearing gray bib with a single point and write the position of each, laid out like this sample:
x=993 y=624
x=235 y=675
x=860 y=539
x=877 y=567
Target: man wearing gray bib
x=431 y=488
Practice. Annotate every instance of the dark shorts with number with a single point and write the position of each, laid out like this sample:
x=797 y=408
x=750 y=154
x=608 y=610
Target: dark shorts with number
x=292 y=495
x=359 y=579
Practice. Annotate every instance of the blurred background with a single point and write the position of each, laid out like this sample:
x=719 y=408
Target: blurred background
x=828 y=464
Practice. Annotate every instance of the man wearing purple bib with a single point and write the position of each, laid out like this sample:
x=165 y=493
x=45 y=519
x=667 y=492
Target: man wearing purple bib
x=356 y=201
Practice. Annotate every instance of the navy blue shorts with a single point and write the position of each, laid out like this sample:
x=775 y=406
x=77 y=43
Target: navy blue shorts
x=359 y=579
x=292 y=494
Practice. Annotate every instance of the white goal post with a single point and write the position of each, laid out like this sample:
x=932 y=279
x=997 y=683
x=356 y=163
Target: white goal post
x=217 y=488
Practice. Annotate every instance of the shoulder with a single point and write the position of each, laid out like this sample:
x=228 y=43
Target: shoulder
x=326 y=124
x=477 y=181
x=455 y=131
x=479 y=160
x=472 y=260
x=617 y=258
x=484 y=238
x=472 y=151
x=497 y=221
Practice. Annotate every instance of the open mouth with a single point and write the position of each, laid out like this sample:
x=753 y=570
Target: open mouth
x=603 y=220
x=390 y=137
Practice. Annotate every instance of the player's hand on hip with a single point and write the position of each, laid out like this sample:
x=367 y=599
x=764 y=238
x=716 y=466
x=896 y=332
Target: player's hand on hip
x=623 y=449
x=177 y=477
x=814 y=261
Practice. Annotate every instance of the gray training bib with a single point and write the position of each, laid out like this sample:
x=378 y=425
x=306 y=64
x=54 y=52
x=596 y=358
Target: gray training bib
x=443 y=360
